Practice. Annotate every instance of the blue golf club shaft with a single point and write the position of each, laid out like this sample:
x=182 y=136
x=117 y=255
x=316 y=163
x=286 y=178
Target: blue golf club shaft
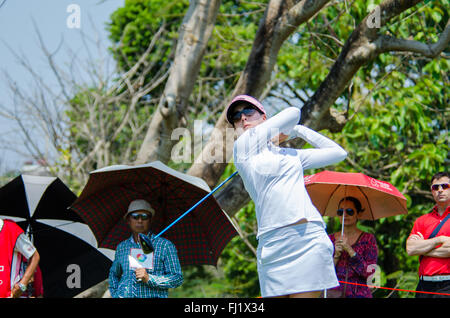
x=197 y=204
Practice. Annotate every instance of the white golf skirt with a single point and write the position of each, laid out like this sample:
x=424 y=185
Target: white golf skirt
x=295 y=259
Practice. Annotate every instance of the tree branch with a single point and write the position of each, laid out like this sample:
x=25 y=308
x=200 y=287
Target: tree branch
x=196 y=30
x=299 y=14
x=387 y=43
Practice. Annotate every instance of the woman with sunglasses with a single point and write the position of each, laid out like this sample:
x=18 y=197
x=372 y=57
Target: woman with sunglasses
x=137 y=274
x=294 y=255
x=355 y=253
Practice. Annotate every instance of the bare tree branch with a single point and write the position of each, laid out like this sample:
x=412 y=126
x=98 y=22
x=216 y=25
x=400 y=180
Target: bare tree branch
x=74 y=111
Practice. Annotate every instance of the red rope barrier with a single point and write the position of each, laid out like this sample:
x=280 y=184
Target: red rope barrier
x=397 y=289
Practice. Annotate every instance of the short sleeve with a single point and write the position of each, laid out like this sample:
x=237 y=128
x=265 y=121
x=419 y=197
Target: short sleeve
x=417 y=227
x=24 y=246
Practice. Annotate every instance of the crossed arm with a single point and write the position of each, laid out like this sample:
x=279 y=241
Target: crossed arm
x=438 y=246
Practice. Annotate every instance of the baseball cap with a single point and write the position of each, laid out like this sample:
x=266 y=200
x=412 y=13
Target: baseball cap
x=140 y=205
x=243 y=98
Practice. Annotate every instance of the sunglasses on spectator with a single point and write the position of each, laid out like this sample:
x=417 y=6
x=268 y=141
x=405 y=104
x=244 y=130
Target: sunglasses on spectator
x=142 y=216
x=350 y=212
x=444 y=186
x=248 y=111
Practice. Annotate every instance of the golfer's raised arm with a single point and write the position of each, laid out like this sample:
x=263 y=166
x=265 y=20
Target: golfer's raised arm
x=253 y=140
x=326 y=151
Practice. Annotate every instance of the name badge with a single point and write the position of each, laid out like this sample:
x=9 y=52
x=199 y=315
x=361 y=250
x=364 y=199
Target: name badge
x=138 y=259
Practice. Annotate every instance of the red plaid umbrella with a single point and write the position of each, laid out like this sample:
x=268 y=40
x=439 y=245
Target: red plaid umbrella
x=199 y=237
x=378 y=198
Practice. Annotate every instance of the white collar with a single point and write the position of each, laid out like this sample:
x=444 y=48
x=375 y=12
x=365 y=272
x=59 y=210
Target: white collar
x=1 y=224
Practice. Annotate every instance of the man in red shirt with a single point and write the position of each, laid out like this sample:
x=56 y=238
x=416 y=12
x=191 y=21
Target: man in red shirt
x=434 y=268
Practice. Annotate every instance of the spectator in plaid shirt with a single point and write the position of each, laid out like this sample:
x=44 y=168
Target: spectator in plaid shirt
x=127 y=281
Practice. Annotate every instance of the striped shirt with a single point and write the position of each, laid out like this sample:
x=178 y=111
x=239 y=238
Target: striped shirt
x=166 y=272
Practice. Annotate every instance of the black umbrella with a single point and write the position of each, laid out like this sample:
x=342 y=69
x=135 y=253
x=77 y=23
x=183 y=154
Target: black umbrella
x=69 y=260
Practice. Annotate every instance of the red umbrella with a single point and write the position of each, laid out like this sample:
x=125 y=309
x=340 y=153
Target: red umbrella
x=378 y=198
x=199 y=237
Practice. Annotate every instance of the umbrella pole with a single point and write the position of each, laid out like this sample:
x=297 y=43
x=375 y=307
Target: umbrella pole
x=197 y=204
x=343 y=213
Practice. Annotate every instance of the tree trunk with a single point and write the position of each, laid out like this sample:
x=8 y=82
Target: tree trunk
x=96 y=291
x=195 y=32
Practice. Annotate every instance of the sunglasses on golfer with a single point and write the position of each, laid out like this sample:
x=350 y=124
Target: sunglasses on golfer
x=142 y=216
x=350 y=212
x=444 y=186
x=247 y=111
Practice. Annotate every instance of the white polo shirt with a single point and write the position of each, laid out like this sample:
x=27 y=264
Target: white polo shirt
x=273 y=176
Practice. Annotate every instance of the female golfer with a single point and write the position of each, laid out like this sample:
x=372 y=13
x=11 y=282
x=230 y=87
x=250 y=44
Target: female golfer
x=294 y=255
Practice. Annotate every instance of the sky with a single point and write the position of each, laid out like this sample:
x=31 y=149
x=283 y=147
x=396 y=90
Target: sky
x=56 y=20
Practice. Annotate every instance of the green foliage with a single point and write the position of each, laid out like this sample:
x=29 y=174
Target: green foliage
x=200 y=281
x=133 y=26
x=239 y=260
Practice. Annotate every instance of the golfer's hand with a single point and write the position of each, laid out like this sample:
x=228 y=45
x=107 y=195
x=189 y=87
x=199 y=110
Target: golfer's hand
x=280 y=139
x=141 y=274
